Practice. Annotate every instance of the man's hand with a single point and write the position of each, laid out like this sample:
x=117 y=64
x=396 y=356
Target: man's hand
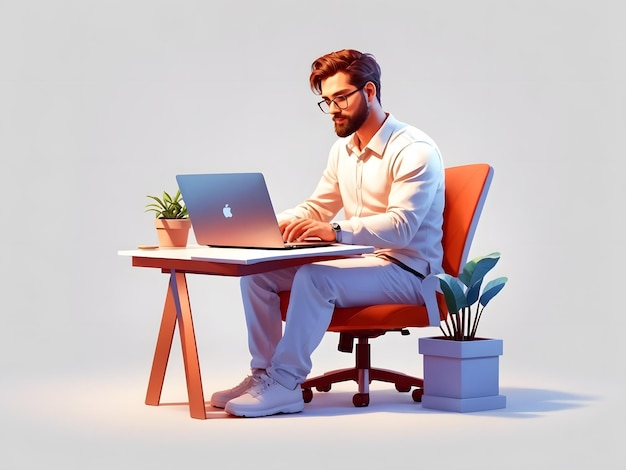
x=298 y=230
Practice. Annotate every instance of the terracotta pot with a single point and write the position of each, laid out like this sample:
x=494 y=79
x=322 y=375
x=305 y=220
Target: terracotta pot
x=172 y=232
x=461 y=375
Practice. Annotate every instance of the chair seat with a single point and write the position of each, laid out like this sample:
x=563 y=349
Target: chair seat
x=374 y=317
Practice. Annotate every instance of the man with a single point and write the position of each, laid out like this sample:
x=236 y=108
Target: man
x=388 y=178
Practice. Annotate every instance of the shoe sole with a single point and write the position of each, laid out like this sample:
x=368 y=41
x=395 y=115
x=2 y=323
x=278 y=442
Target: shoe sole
x=283 y=409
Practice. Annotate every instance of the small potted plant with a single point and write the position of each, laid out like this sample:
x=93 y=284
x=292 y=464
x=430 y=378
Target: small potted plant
x=172 y=221
x=461 y=370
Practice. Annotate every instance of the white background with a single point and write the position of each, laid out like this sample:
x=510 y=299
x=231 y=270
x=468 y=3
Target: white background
x=104 y=102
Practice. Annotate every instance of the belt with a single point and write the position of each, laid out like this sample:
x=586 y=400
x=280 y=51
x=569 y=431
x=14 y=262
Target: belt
x=402 y=265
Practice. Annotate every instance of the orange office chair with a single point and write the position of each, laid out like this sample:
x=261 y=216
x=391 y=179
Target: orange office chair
x=466 y=189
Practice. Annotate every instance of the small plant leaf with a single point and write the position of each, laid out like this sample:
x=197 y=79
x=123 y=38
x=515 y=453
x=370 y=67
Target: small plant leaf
x=491 y=290
x=158 y=201
x=453 y=292
x=167 y=207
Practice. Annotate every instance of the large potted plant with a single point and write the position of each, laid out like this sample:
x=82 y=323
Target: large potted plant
x=461 y=370
x=172 y=220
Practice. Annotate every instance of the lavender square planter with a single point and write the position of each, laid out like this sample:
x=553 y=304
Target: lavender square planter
x=461 y=376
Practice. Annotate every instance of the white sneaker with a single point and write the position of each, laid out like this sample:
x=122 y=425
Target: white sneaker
x=219 y=399
x=266 y=397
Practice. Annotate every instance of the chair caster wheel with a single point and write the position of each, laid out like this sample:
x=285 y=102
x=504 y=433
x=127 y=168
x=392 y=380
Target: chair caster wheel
x=361 y=399
x=307 y=395
x=323 y=388
x=403 y=388
x=417 y=394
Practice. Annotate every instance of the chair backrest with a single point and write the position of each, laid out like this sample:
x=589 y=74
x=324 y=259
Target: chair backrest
x=466 y=190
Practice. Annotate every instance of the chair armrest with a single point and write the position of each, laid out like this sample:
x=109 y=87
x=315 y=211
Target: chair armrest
x=430 y=287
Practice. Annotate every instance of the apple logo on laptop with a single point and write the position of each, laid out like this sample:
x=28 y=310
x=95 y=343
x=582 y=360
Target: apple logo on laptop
x=227 y=211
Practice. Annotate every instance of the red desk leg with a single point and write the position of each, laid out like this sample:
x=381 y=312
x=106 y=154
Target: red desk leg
x=177 y=309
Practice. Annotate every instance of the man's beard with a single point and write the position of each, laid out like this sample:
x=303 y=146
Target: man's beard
x=352 y=124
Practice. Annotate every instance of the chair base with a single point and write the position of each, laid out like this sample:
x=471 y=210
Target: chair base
x=363 y=376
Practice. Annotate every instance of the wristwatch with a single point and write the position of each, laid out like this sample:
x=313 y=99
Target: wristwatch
x=337 y=228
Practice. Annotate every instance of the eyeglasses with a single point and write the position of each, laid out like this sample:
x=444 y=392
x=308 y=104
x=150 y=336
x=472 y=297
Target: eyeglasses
x=340 y=101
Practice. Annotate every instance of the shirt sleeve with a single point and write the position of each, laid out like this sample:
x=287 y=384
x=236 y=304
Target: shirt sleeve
x=415 y=176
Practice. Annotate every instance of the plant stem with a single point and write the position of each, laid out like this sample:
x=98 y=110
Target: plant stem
x=461 y=323
x=455 y=324
x=447 y=333
x=476 y=320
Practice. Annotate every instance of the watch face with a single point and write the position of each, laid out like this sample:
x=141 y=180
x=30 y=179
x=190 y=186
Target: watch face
x=337 y=230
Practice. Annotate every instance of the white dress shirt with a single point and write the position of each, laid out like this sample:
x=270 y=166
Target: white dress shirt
x=391 y=193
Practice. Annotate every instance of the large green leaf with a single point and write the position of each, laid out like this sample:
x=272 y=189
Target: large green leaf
x=491 y=290
x=453 y=292
x=476 y=269
x=473 y=292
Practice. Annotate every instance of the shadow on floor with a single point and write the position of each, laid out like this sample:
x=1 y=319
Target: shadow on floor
x=521 y=403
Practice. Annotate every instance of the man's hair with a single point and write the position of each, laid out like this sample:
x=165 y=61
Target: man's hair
x=360 y=68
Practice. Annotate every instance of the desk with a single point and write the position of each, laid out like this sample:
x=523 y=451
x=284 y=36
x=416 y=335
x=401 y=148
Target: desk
x=178 y=262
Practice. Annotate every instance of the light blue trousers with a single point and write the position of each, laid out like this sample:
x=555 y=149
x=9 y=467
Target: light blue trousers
x=315 y=290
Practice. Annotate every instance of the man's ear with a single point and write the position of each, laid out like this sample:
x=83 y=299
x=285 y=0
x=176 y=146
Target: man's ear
x=370 y=89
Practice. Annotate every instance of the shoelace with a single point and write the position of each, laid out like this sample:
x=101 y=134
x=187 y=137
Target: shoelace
x=263 y=383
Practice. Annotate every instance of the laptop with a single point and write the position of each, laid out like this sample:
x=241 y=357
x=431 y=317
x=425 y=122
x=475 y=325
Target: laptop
x=234 y=210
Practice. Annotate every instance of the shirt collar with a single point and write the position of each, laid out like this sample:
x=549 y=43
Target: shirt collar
x=378 y=142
